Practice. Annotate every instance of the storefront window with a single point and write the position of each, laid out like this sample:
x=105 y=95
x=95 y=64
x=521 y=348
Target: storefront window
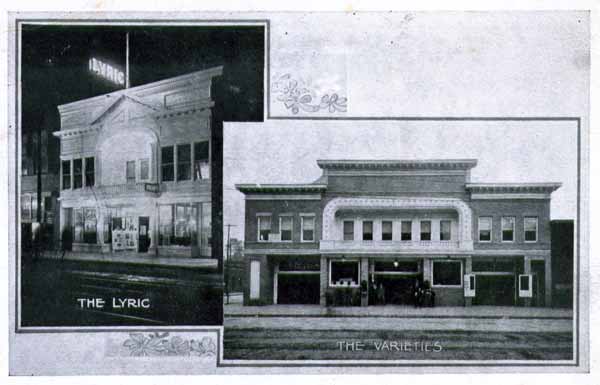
x=89 y=235
x=179 y=224
x=201 y=169
x=78 y=222
x=165 y=236
x=344 y=273
x=167 y=164
x=447 y=273
x=77 y=173
x=184 y=162
x=206 y=233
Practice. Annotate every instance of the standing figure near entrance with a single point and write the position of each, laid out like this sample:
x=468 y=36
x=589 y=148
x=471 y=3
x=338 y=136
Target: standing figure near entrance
x=380 y=294
x=417 y=294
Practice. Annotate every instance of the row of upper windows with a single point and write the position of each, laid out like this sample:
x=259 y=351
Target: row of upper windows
x=83 y=170
x=177 y=162
x=508 y=225
x=406 y=230
x=286 y=225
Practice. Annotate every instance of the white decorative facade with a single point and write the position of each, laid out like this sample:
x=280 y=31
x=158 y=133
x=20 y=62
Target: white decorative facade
x=135 y=169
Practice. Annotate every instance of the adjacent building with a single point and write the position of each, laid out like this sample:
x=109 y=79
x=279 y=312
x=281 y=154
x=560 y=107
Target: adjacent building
x=135 y=169
x=366 y=231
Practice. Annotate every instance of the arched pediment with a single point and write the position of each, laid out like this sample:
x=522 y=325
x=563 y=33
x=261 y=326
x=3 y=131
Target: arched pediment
x=411 y=203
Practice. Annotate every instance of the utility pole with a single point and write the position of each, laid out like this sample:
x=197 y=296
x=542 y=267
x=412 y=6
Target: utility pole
x=127 y=80
x=227 y=262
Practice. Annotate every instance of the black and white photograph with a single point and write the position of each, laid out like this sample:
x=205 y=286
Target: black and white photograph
x=339 y=192
x=432 y=240
x=120 y=149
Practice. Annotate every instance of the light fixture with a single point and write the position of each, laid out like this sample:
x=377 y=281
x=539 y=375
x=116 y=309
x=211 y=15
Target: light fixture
x=396 y=263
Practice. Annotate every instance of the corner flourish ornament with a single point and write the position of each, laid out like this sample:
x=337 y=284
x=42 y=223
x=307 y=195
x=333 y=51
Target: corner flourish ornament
x=159 y=344
x=295 y=96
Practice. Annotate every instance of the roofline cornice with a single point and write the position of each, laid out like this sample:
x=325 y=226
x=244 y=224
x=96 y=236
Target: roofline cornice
x=512 y=188
x=398 y=164
x=281 y=188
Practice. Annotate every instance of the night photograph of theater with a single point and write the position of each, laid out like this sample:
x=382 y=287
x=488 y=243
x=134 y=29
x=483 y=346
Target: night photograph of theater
x=121 y=168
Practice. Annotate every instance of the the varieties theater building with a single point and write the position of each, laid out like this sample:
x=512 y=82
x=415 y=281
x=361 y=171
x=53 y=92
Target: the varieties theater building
x=366 y=231
x=135 y=168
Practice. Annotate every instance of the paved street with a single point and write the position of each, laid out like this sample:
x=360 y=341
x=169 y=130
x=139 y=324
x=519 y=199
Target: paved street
x=397 y=332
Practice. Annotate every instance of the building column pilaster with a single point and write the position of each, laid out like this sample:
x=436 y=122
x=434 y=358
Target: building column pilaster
x=469 y=270
x=324 y=279
x=526 y=270
x=364 y=276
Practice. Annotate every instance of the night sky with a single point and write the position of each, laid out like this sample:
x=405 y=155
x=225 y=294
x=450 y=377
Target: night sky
x=54 y=65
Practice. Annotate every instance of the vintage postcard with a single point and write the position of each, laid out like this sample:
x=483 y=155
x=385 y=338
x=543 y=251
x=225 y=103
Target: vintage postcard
x=287 y=192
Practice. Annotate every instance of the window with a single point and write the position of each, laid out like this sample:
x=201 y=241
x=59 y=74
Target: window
x=308 y=228
x=264 y=227
x=508 y=229
x=89 y=226
x=406 y=231
x=426 y=230
x=78 y=222
x=166 y=235
x=178 y=224
x=447 y=273
x=184 y=162
x=205 y=226
x=26 y=208
x=66 y=174
x=167 y=164
x=343 y=273
x=445 y=230
x=386 y=230
x=201 y=168
x=77 y=173
x=144 y=169
x=367 y=230
x=348 y=230
x=285 y=228
x=531 y=229
x=90 y=173
x=485 y=229
x=130 y=172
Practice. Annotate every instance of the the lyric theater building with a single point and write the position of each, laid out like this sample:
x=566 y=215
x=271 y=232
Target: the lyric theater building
x=135 y=169
x=366 y=231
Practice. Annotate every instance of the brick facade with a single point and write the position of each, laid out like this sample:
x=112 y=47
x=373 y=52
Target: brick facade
x=381 y=227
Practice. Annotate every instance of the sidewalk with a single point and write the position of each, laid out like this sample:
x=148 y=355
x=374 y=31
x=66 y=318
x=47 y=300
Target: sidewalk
x=141 y=258
x=395 y=311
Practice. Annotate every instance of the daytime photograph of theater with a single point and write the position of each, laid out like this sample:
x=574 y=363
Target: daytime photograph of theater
x=403 y=232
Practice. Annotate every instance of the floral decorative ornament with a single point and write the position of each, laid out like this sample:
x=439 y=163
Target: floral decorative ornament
x=295 y=96
x=160 y=344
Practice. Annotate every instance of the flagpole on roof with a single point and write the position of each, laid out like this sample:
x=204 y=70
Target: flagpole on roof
x=127 y=84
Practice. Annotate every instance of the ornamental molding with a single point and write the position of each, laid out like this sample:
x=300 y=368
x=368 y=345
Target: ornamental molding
x=513 y=188
x=463 y=210
x=398 y=164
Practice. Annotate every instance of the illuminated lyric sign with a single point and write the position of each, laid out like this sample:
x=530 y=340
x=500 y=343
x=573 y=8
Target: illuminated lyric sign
x=107 y=71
